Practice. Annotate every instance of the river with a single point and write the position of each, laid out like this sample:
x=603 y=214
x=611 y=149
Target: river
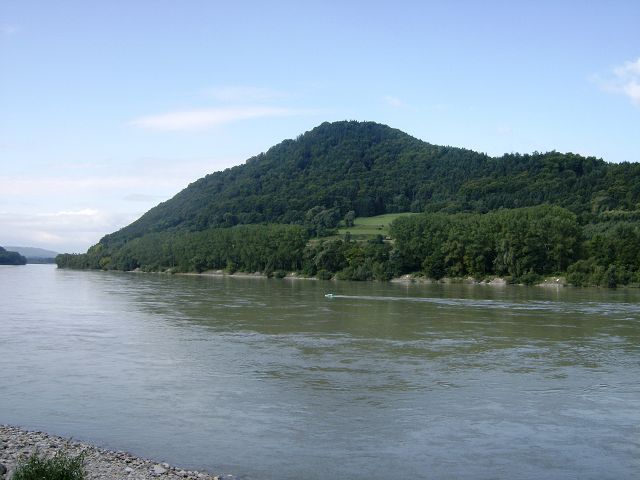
x=269 y=379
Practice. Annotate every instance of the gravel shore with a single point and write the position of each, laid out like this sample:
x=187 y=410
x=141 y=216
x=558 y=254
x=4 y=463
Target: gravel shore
x=100 y=464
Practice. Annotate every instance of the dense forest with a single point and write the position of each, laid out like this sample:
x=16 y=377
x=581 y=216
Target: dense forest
x=11 y=258
x=523 y=245
x=373 y=169
x=518 y=216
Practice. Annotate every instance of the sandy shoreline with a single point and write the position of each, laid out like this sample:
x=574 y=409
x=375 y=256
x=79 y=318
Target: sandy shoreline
x=100 y=463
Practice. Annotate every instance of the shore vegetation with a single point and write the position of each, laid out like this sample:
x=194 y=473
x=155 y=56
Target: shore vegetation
x=62 y=466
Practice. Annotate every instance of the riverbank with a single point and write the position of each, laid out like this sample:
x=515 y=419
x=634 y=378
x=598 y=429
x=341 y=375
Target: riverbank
x=224 y=273
x=101 y=464
x=403 y=279
x=491 y=281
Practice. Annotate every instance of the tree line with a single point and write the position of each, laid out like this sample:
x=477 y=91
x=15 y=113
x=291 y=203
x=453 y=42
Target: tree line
x=524 y=245
x=249 y=248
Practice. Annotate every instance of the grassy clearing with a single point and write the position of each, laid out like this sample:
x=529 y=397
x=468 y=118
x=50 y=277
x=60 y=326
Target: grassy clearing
x=365 y=228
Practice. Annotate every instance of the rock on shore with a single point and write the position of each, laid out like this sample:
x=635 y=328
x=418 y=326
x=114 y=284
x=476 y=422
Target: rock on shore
x=100 y=464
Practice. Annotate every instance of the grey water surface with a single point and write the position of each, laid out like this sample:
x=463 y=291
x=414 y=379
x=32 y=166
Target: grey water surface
x=269 y=379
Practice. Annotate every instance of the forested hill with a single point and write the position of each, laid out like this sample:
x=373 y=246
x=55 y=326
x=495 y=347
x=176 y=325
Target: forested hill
x=11 y=258
x=373 y=169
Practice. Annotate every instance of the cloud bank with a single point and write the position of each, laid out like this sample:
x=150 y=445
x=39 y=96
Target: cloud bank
x=624 y=80
x=211 y=117
x=63 y=231
x=69 y=214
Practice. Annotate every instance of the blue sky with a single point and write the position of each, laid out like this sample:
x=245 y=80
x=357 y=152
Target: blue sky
x=109 y=107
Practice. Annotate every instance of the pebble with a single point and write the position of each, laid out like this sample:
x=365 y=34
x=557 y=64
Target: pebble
x=101 y=464
x=159 y=470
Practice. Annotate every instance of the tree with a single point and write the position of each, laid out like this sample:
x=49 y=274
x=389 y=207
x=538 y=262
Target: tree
x=349 y=218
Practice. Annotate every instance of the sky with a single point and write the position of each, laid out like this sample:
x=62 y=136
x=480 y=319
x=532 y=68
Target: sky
x=109 y=107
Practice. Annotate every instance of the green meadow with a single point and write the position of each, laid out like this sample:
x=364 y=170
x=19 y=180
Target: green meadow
x=365 y=228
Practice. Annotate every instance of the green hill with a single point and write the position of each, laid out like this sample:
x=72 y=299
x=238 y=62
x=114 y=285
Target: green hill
x=519 y=216
x=373 y=169
x=11 y=258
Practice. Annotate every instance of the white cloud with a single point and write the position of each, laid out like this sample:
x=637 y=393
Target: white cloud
x=143 y=197
x=625 y=80
x=43 y=212
x=46 y=186
x=85 y=212
x=211 y=117
x=632 y=90
x=629 y=68
x=62 y=231
x=242 y=94
x=52 y=212
x=393 y=101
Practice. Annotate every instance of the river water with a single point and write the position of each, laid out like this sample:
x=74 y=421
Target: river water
x=269 y=379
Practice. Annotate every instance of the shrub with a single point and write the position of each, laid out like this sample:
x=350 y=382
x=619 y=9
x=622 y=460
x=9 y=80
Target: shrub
x=529 y=278
x=324 y=275
x=231 y=267
x=60 y=467
x=585 y=273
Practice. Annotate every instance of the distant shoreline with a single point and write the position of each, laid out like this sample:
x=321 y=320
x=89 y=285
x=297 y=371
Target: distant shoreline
x=222 y=273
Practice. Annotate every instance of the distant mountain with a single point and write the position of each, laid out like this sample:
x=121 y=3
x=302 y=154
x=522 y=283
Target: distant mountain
x=33 y=252
x=35 y=255
x=11 y=258
x=373 y=169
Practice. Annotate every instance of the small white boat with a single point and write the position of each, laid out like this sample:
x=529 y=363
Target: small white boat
x=329 y=295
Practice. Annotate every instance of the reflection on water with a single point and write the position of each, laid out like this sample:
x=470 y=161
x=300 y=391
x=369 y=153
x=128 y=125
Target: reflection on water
x=271 y=379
